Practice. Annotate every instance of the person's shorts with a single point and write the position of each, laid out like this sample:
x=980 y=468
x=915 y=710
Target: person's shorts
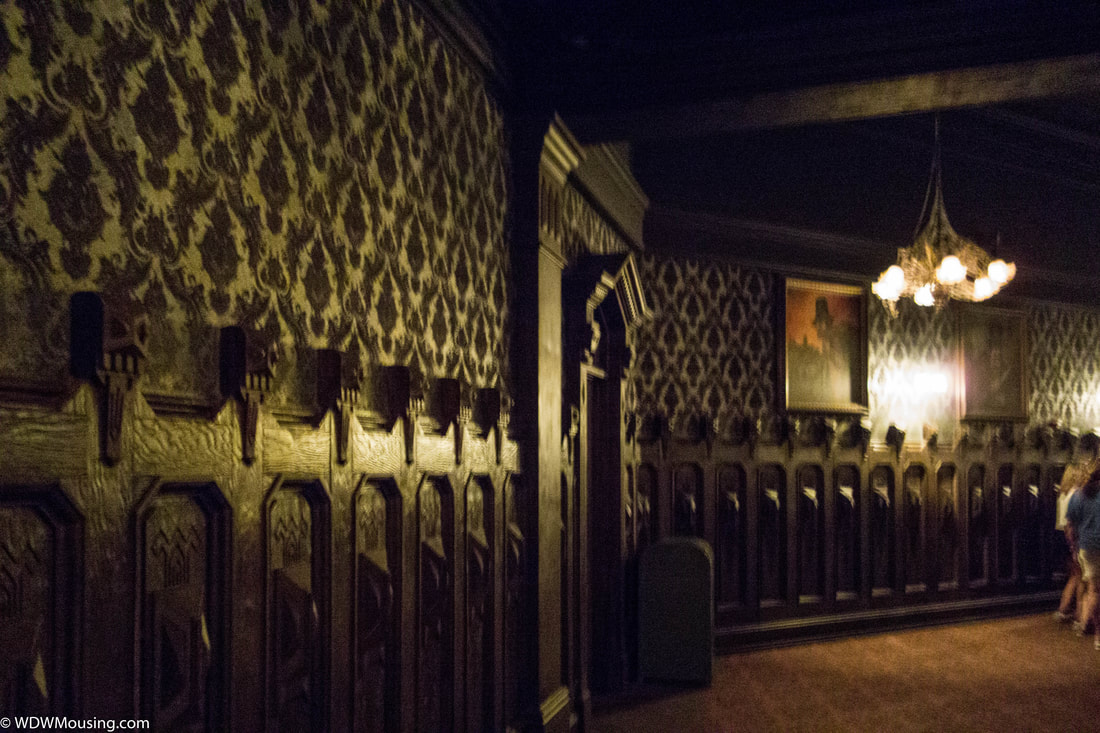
x=1090 y=564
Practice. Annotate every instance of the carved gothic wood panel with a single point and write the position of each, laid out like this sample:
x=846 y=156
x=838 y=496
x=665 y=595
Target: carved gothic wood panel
x=1006 y=524
x=847 y=523
x=183 y=556
x=645 y=514
x=298 y=634
x=515 y=560
x=881 y=530
x=630 y=506
x=913 y=523
x=947 y=527
x=40 y=611
x=376 y=632
x=811 y=533
x=687 y=493
x=1031 y=543
x=979 y=525
x=435 y=606
x=731 y=535
x=479 y=604
x=772 y=534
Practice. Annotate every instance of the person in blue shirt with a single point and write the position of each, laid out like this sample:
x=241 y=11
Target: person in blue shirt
x=1083 y=531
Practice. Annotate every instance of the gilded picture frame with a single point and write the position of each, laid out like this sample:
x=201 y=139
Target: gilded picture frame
x=992 y=347
x=823 y=353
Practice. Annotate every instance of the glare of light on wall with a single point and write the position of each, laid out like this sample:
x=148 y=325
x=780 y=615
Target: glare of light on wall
x=930 y=382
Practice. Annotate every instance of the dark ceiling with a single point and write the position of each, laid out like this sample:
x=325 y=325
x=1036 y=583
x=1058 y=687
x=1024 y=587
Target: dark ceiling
x=801 y=133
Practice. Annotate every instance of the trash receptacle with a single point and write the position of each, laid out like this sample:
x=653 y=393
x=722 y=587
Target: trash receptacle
x=676 y=611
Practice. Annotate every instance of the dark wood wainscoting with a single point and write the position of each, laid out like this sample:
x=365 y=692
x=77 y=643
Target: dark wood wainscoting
x=815 y=538
x=360 y=567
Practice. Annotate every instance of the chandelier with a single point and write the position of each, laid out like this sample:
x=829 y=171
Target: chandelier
x=940 y=265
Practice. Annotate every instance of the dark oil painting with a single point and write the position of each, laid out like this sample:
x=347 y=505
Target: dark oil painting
x=825 y=339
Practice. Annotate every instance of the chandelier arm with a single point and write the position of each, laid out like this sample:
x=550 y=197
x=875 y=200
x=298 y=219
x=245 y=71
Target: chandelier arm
x=935 y=180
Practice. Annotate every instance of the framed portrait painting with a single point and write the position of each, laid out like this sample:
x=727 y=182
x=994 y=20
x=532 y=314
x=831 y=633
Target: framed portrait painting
x=993 y=363
x=824 y=355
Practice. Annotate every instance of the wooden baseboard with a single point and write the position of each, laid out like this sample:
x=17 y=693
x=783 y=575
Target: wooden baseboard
x=783 y=632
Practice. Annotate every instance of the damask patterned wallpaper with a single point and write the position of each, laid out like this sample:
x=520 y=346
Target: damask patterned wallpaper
x=1064 y=367
x=710 y=349
x=331 y=174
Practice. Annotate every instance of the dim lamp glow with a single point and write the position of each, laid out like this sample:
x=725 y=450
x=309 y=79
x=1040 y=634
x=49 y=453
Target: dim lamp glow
x=984 y=288
x=951 y=270
x=1000 y=272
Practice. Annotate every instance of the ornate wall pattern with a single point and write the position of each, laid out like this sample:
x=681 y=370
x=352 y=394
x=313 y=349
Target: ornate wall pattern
x=1064 y=369
x=709 y=348
x=569 y=217
x=332 y=174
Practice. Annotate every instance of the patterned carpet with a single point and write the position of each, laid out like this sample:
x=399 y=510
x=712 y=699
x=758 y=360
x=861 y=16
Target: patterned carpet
x=1019 y=674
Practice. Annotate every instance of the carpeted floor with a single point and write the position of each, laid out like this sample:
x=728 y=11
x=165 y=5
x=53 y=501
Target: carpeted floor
x=1020 y=674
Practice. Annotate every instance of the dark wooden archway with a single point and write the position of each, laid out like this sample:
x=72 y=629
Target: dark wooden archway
x=603 y=305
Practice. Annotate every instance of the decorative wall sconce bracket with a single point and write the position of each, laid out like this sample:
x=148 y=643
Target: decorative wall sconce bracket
x=247 y=375
x=485 y=415
x=895 y=438
x=815 y=432
x=972 y=436
x=931 y=437
x=854 y=432
x=776 y=429
x=504 y=424
x=463 y=420
x=107 y=347
x=1004 y=437
x=339 y=382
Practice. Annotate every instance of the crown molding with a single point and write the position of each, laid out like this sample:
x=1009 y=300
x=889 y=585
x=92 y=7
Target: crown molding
x=470 y=35
x=561 y=153
x=606 y=178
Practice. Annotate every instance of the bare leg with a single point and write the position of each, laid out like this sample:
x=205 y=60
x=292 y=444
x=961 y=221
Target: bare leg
x=1069 y=594
x=1089 y=611
x=1094 y=595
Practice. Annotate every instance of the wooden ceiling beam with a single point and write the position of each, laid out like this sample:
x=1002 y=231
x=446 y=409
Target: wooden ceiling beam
x=872 y=98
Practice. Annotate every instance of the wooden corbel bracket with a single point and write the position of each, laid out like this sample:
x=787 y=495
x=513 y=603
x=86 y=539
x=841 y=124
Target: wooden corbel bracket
x=504 y=424
x=247 y=375
x=895 y=438
x=413 y=410
x=463 y=421
x=339 y=380
x=107 y=348
x=486 y=414
x=439 y=408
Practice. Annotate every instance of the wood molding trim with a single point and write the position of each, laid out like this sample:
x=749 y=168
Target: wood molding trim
x=605 y=176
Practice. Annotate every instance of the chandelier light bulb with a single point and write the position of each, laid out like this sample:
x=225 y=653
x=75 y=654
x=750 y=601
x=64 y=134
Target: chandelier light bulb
x=890 y=283
x=940 y=265
x=983 y=288
x=999 y=271
x=894 y=278
x=951 y=271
